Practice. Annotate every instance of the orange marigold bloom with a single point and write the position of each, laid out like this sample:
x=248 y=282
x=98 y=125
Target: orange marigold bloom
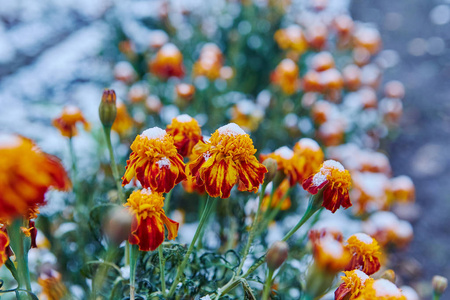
x=286 y=76
x=330 y=254
x=402 y=189
x=168 y=62
x=155 y=161
x=288 y=163
x=335 y=182
x=123 y=124
x=247 y=115
x=281 y=190
x=185 y=91
x=366 y=254
x=4 y=243
x=68 y=120
x=381 y=289
x=226 y=159
x=291 y=38
x=26 y=173
x=186 y=133
x=310 y=154
x=147 y=228
x=52 y=285
x=209 y=63
x=354 y=282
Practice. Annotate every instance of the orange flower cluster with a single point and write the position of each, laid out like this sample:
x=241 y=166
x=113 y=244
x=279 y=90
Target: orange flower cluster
x=147 y=229
x=168 y=62
x=66 y=123
x=26 y=174
x=226 y=159
x=210 y=62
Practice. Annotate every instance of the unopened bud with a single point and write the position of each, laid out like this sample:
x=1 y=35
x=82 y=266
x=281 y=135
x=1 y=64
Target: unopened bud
x=389 y=275
x=277 y=254
x=271 y=165
x=107 y=109
x=439 y=284
x=117 y=225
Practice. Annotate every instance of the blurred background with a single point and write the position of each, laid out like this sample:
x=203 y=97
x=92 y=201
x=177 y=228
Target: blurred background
x=58 y=52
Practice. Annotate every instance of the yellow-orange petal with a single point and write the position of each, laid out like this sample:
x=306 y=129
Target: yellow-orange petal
x=365 y=253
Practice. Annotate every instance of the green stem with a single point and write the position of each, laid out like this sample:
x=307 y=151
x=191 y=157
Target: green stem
x=203 y=218
x=114 y=168
x=312 y=208
x=167 y=201
x=436 y=296
x=12 y=268
x=252 y=230
x=18 y=244
x=74 y=166
x=134 y=254
x=268 y=285
x=162 y=264
x=102 y=272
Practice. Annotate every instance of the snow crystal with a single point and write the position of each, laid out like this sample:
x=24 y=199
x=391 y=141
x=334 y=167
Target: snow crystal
x=320 y=177
x=361 y=275
x=184 y=118
x=362 y=237
x=384 y=287
x=154 y=133
x=284 y=152
x=9 y=141
x=231 y=129
x=146 y=191
x=163 y=162
x=332 y=247
x=206 y=155
x=309 y=143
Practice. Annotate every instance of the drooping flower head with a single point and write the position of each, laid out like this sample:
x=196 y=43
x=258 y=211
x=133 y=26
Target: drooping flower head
x=226 y=159
x=147 y=228
x=365 y=253
x=168 y=62
x=381 y=289
x=286 y=76
x=185 y=132
x=67 y=122
x=335 y=182
x=4 y=243
x=26 y=174
x=155 y=161
x=288 y=163
x=353 y=283
x=310 y=154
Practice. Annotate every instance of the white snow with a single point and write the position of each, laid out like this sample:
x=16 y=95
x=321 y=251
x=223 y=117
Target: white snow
x=206 y=155
x=146 y=191
x=284 y=152
x=163 y=162
x=332 y=247
x=332 y=164
x=184 y=118
x=231 y=129
x=361 y=275
x=9 y=140
x=403 y=229
x=362 y=237
x=384 y=287
x=154 y=133
x=71 y=110
x=308 y=143
x=288 y=65
x=170 y=49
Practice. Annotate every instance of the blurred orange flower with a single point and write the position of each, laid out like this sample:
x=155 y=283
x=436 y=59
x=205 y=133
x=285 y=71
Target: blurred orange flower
x=147 y=229
x=365 y=252
x=52 y=285
x=154 y=161
x=168 y=62
x=310 y=154
x=286 y=76
x=280 y=192
x=123 y=123
x=335 y=182
x=186 y=133
x=291 y=38
x=209 y=63
x=66 y=123
x=288 y=163
x=225 y=160
x=26 y=174
x=329 y=253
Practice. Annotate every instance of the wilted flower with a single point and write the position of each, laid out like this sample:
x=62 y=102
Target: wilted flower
x=4 y=243
x=365 y=253
x=381 y=289
x=354 y=282
x=168 y=62
x=291 y=38
x=24 y=165
x=286 y=76
x=155 y=161
x=66 y=123
x=226 y=159
x=335 y=181
x=186 y=133
x=147 y=229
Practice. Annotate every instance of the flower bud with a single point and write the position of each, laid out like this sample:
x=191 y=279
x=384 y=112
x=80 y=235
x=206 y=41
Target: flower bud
x=439 y=284
x=271 y=166
x=107 y=109
x=117 y=226
x=276 y=255
x=389 y=275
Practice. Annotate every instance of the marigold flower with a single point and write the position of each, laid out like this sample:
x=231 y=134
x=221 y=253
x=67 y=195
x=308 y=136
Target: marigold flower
x=288 y=163
x=209 y=63
x=52 y=285
x=291 y=38
x=311 y=82
x=332 y=132
x=168 y=62
x=316 y=35
x=394 y=89
x=335 y=182
x=147 y=228
x=154 y=161
x=381 y=289
x=24 y=165
x=365 y=253
x=185 y=91
x=247 y=115
x=185 y=132
x=330 y=254
x=280 y=192
x=226 y=159
x=124 y=71
x=66 y=123
x=351 y=75
x=370 y=192
x=367 y=38
x=354 y=282
x=123 y=123
x=402 y=189
x=4 y=243
x=286 y=76
x=322 y=61
x=138 y=92
x=310 y=154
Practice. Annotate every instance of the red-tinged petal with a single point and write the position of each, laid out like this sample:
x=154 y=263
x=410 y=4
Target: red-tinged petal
x=341 y=292
x=251 y=175
x=310 y=187
x=220 y=178
x=148 y=234
x=171 y=225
